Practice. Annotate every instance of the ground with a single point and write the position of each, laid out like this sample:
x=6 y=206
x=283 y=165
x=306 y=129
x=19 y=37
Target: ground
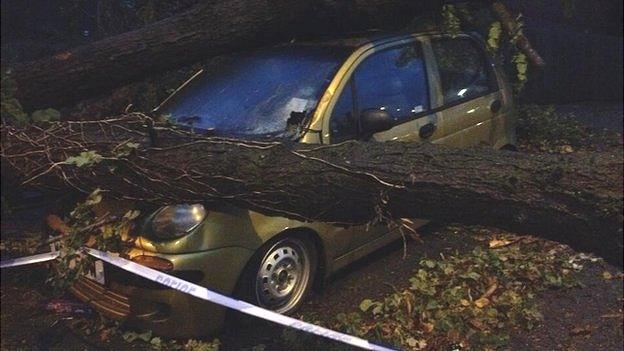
x=599 y=115
x=583 y=318
x=587 y=317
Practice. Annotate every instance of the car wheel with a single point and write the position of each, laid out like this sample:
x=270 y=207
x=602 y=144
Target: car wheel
x=280 y=275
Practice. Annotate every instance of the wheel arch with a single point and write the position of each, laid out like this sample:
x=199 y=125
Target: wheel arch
x=309 y=233
x=321 y=256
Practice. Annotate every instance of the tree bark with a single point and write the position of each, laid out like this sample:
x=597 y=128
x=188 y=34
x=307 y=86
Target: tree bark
x=575 y=198
x=206 y=30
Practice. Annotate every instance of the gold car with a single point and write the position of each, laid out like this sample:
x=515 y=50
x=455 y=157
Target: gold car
x=417 y=87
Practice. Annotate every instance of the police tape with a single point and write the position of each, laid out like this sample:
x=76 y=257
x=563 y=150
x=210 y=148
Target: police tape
x=207 y=295
x=14 y=262
x=241 y=306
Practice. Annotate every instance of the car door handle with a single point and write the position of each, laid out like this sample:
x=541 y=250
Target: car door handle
x=495 y=106
x=427 y=130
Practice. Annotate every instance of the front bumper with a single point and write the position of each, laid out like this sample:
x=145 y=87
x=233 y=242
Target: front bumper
x=144 y=304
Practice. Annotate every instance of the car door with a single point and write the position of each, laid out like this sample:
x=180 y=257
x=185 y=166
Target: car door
x=470 y=96
x=393 y=79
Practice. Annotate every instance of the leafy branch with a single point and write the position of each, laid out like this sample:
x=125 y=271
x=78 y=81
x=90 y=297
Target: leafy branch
x=83 y=228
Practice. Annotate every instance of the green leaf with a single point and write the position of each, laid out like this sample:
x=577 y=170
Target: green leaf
x=86 y=158
x=126 y=149
x=432 y=305
x=366 y=304
x=130 y=336
x=146 y=336
x=521 y=67
x=428 y=263
x=132 y=214
x=47 y=115
x=451 y=23
x=156 y=343
x=494 y=36
x=471 y=275
x=94 y=198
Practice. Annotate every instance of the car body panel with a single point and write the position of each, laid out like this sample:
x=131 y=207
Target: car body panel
x=167 y=312
x=470 y=123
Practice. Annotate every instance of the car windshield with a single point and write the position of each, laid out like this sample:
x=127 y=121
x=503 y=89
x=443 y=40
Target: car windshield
x=256 y=93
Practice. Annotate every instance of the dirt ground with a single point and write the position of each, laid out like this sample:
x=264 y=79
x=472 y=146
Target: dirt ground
x=583 y=318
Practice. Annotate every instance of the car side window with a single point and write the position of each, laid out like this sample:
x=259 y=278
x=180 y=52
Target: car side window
x=394 y=80
x=343 y=123
x=463 y=68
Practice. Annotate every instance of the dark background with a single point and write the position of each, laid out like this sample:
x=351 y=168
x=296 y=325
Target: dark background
x=583 y=52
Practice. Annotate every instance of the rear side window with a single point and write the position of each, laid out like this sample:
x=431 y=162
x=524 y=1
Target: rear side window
x=464 y=70
x=394 y=80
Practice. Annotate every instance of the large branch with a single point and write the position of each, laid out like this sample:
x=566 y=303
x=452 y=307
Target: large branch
x=209 y=29
x=575 y=199
x=511 y=26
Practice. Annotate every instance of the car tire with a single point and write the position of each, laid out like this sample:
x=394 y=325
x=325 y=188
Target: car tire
x=280 y=274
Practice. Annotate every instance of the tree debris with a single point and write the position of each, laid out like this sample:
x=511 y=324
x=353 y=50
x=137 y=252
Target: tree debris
x=572 y=198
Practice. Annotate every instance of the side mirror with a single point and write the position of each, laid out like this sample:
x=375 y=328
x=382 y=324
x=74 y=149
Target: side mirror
x=374 y=120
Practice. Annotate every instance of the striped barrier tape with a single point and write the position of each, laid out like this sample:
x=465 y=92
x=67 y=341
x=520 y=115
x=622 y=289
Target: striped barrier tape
x=48 y=256
x=207 y=295
x=14 y=262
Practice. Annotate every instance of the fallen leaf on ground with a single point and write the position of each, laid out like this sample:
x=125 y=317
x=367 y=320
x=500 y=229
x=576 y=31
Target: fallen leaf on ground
x=492 y=288
x=478 y=324
x=581 y=330
x=482 y=302
x=606 y=275
x=496 y=243
x=105 y=334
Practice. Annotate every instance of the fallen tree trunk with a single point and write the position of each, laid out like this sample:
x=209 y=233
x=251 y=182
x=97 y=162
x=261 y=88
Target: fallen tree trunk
x=209 y=29
x=575 y=199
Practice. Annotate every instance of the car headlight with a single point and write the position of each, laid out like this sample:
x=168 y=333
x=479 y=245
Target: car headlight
x=174 y=221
